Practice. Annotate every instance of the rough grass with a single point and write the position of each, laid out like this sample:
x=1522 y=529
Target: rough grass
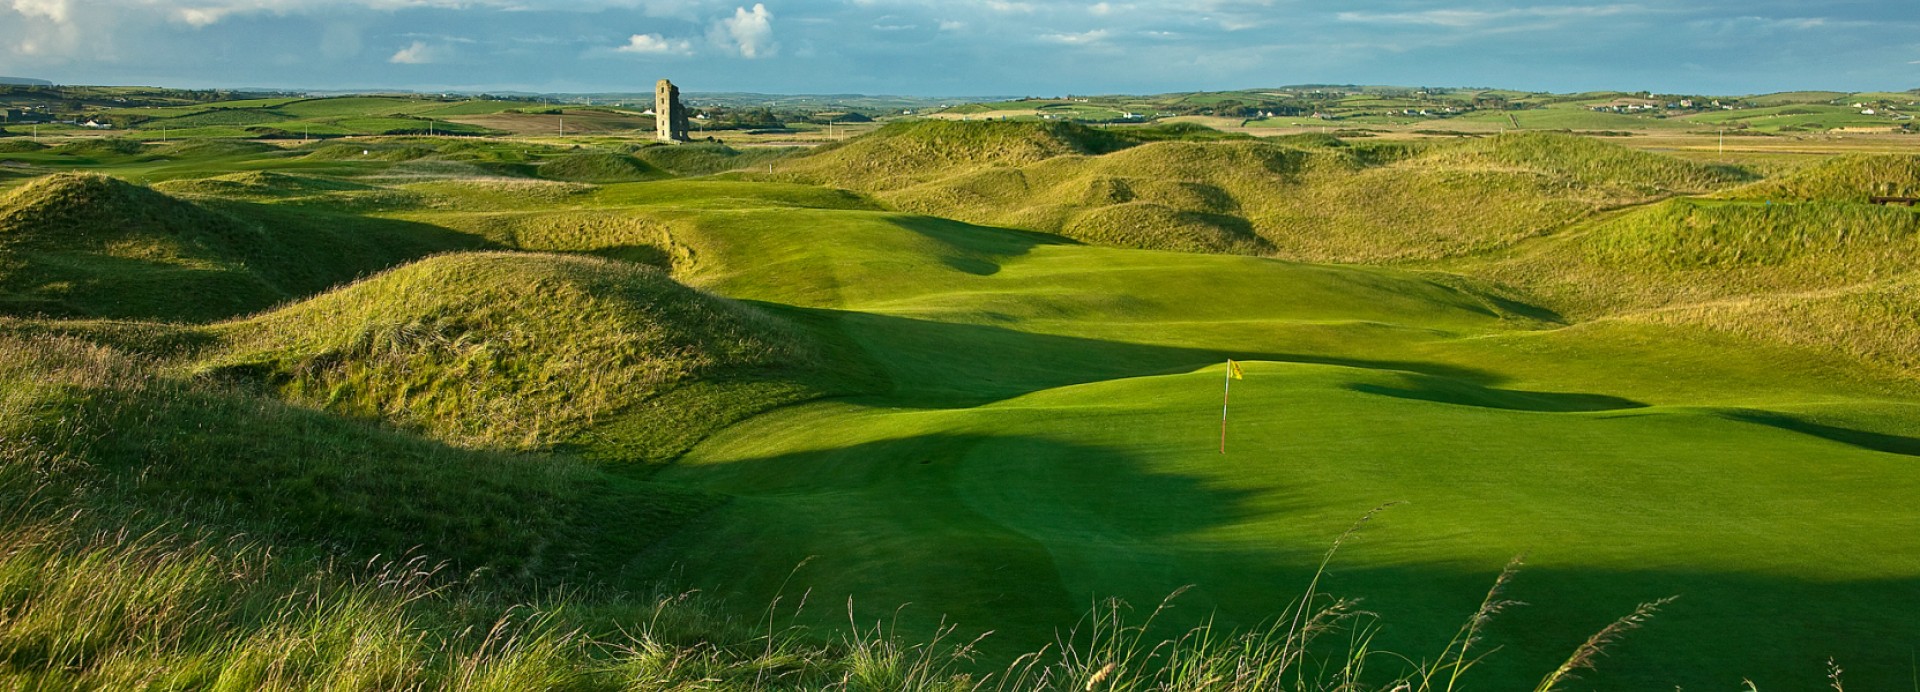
x=1850 y=178
x=526 y=351
x=1877 y=323
x=76 y=245
x=102 y=430
x=1686 y=251
x=1316 y=201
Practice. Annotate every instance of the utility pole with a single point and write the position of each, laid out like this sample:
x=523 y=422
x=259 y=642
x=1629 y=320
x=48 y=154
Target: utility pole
x=1723 y=141
x=563 y=123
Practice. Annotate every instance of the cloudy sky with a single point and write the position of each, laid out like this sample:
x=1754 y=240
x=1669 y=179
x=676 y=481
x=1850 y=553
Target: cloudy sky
x=966 y=47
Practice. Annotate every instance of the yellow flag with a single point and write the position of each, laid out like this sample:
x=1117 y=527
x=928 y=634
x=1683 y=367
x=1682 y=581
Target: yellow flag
x=1233 y=370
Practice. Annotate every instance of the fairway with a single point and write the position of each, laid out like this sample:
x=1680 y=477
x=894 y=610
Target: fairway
x=1050 y=441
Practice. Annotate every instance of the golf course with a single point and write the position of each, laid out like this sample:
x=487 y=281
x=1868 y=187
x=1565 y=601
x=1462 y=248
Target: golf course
x=956 y=405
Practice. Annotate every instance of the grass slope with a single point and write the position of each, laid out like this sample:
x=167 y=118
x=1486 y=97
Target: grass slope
x=92 y=246
x=529 y=351
x=1686 y=251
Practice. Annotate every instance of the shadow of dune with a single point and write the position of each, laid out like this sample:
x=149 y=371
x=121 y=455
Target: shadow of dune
x=1878 y=442
x=947 y=364
x=1461 y=393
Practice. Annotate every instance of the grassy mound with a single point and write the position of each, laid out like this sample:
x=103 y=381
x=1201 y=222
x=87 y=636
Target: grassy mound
x=260 y=185
x=902 y=154
x=368 y=151
x=701 y=158
x=217 y=148
x=20 y=146
x=1851 y=178
x=530 y=351
x=599 y=168
x=1309 y=199
x=102 y=147
x=1589 y=162
x=80 y=245
x=104 y=431
x=1687 y=251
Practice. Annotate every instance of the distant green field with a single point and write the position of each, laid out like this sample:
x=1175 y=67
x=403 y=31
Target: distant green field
x=1575 y=118
x=1796 y=117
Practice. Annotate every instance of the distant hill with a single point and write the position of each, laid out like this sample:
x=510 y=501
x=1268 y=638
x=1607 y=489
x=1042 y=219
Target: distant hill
x=24 y=81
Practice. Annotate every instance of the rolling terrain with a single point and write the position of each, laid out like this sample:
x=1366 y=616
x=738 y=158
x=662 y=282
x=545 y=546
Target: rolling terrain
x=948 y=375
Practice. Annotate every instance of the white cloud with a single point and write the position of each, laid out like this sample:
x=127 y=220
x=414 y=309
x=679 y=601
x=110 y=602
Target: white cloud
x=200 y=16
x=655 y=44
x=1004 y=7
x=1101 y=8
x=55 y=10
x=750 y=32
x=417 y=54
x=952 y=25
x=1080 y=39
x=1460 y=19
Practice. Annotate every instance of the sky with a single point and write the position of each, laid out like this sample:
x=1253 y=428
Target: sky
x=966 y=47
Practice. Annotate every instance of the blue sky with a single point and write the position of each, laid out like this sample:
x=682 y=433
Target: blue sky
x=966 y=47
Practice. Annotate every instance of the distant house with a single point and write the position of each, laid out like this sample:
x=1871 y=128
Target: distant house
x=1868 y=111
x=96 y=125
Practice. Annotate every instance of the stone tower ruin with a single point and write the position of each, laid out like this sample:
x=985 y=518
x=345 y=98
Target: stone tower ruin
x=669 y=117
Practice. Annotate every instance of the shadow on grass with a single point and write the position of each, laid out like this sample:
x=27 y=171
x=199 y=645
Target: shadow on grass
x=1023 y=535
x=977 y=249
x=985 y=530
x=1453 y=391
x=944 y=365
x=1878 y=442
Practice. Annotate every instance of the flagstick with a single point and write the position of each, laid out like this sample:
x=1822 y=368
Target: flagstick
x=1225 y=396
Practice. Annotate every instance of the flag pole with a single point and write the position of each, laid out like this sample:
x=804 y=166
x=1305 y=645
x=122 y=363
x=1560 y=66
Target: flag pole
x=1225 y=396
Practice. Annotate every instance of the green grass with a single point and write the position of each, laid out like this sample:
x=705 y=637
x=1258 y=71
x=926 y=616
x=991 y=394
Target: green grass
x=847 y=400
